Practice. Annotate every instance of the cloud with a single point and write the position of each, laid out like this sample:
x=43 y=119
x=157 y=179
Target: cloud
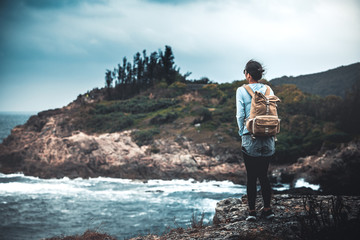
x=212 y=38
x=208 y=28
x=48 y=4
x=173 y=2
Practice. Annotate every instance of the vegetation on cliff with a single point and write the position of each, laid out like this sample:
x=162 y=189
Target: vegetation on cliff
x=165 y=103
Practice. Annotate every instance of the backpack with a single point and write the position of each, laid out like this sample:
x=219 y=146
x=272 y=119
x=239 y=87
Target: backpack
x=263 y=120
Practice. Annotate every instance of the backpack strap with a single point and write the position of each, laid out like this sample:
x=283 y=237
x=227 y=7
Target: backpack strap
x=267 y=93
x=249 y=90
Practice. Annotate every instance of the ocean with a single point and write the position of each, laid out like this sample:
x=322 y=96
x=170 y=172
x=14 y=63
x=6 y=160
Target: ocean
x=33 y=208
x=8 y=120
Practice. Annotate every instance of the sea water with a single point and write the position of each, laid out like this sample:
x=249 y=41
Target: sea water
x=33 y=208
x=8 y=120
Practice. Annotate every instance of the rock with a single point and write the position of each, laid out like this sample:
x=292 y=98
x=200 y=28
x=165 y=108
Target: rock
x=337 y=170
x=224 y=207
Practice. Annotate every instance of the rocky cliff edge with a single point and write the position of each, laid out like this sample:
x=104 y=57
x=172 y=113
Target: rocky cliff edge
x=296 y=217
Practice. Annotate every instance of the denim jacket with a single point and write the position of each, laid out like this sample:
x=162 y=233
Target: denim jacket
x=259 y=146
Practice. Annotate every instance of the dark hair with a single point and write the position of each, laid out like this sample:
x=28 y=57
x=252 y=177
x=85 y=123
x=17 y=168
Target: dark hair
x=255 y=69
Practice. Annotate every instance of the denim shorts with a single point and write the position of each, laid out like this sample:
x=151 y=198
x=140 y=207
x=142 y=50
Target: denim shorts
x=258 y=146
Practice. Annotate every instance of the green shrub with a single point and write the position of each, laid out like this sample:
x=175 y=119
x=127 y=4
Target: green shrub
x=164 y=118
x=288 y=147
x=203 y=114
x=226 y=113
x=178 y=87
x=210 y=125
x=112 y=122
x=144 y=137
x=134 y=105
x=212 y=91
x=162 y=84
x=338 y=137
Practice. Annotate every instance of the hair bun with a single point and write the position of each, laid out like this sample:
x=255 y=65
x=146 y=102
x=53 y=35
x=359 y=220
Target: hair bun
x=255 y=69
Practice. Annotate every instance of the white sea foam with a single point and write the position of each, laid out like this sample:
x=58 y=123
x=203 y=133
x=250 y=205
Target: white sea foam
x=112 y=189
x=160 y=185
x=19 y=174
x=38 y=188
x=283 y=187
x=302 y=183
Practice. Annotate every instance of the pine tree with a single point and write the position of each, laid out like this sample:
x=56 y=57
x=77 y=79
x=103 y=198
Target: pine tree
x=108 y=82
x=143 y=73
x=167 y=62
x=108 y=78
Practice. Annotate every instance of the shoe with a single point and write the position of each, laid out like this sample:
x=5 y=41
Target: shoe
x=251 y=217
x=267 y=214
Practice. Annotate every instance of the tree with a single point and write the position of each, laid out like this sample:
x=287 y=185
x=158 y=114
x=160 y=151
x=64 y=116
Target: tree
x=108 y=78
x=167 y=63
x=145 y=70
x=108 y=82
x=152 y=68
x=144 y=73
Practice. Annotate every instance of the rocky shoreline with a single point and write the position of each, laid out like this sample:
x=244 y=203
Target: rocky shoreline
x=46 y=155
x=49 y=146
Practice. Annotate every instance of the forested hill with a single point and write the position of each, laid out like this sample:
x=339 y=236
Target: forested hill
x=332 y=82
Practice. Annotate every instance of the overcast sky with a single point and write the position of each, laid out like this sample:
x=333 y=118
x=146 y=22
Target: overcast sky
x=53 y=50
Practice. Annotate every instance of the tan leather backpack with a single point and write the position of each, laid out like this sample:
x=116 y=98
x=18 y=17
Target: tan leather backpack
x=263 y=120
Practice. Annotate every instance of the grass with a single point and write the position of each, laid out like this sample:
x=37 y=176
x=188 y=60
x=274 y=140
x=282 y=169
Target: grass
x=327 y=220
x=197 y=223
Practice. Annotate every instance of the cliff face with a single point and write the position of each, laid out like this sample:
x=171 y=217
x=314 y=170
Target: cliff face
x=48 y=146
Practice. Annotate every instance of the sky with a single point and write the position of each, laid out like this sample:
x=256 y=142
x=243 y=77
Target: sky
x=53 y=50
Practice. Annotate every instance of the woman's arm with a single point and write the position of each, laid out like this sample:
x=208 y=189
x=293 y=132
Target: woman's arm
x=240 y=111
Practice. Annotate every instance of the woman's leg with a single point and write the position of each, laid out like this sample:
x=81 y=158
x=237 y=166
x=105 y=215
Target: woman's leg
x=250 y=166
x=263 y=166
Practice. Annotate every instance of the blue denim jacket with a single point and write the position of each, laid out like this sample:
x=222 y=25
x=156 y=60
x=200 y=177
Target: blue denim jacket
x=260 y=146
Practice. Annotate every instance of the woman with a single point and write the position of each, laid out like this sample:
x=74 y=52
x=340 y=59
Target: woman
x=258 y=151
